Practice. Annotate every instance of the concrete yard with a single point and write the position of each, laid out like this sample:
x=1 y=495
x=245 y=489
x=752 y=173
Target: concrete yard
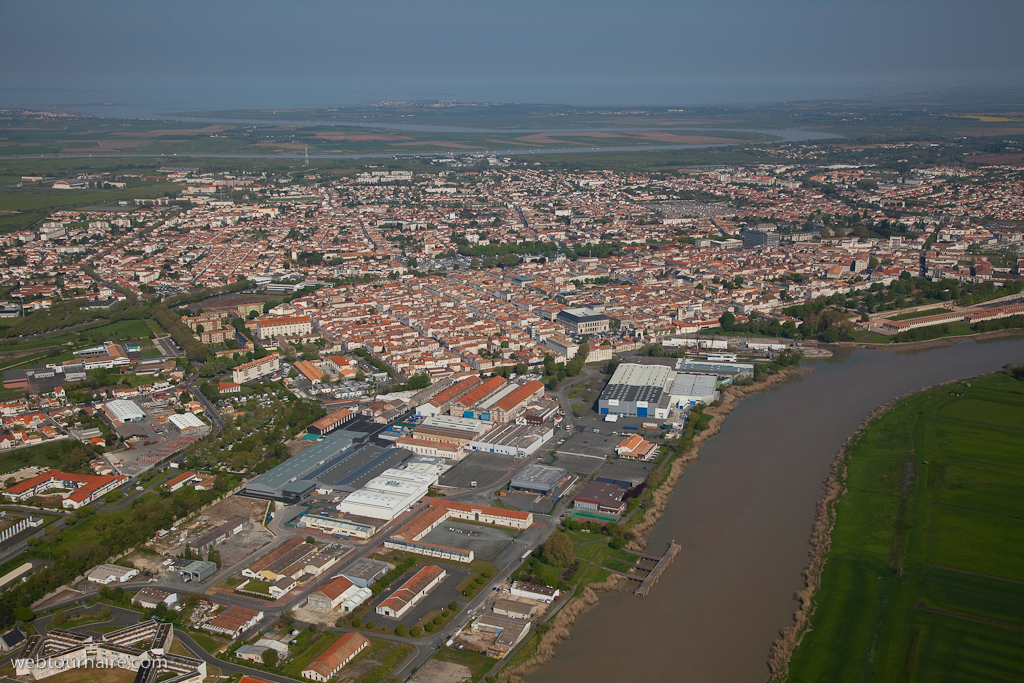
x=435 y=671
x=579 y=464
x=439 y=598
x=486 y=542
x=485 y=469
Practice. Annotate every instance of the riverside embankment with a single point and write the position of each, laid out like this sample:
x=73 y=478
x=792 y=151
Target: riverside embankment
x=744 y=514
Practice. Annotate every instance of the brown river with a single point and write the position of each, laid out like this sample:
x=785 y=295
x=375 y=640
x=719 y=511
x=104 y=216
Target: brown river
x=743 y=514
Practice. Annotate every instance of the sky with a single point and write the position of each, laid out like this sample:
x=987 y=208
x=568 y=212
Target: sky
x=309 y=53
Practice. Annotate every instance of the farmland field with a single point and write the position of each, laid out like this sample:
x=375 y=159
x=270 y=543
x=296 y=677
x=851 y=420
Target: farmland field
x=925 y=577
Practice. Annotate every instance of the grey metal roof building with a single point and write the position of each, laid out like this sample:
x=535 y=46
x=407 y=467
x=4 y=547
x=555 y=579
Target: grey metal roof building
x=719 y=369
x=583 y=320
x=692 y=388
x=198 y=570
x=626 y=473
x=295 y=477
x=635 y=389
x=364 y=571
x=539 y=479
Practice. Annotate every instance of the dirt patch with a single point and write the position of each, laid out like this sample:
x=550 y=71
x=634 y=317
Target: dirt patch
x=442 y=672
x=477 y=641
x=298 y=445
x=150 y=563
x=322 y=618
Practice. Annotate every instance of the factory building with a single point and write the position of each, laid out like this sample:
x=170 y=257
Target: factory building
x=541 y=479
x=387 y=496
x=653 y=390
x=513 y=439
x=124 y=411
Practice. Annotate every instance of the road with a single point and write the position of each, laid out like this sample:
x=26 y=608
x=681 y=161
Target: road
x=208 y=406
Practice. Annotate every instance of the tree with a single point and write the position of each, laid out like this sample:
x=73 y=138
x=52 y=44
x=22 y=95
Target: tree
x=413 y=262
x=288 y=616
x=400 y=630
x=558 y=550
x=58 y=618
x=727 y=321
x=310 y=540
x=269 y=656
x=421 y=381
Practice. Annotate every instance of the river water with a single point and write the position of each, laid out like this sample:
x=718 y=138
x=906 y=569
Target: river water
x=743 y=514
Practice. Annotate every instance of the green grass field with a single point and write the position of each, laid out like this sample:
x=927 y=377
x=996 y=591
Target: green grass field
x=917 y=314
x=118 y=331
x=41 y=455
x=925 y=578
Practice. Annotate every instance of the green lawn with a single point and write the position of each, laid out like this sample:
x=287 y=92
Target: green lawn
x=83 y=619
x=925 y=578
x=43 y=455
x=207 y=641
x=257 y=586
x=299 y=662
x=121 y=330
x=383 y=656
x=866 y=337
x=917 y=314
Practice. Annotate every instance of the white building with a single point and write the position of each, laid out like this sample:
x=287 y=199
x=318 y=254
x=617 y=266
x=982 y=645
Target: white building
x=271 y=326
x=187 y=422
x=125 y=411
x=387 y=496
x=111 y=573
x=411 y=592
x=256 y=369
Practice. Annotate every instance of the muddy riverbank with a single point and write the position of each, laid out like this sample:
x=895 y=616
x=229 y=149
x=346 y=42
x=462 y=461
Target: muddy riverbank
x=743 y=515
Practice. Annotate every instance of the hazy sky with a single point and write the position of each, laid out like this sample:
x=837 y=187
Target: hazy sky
x=228 y=53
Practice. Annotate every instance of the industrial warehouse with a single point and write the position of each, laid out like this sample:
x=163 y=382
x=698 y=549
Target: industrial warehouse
x=653 y=390
x=339 y=463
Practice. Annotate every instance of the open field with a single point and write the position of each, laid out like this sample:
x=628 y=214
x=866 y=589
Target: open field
x=925 y=577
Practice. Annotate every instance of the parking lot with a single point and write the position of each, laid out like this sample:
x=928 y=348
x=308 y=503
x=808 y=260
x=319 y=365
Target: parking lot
x=483 y=468
x=485 y=542
x=439 y=598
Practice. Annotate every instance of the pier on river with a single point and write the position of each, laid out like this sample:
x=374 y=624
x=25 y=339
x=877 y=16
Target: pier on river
x=661 y=564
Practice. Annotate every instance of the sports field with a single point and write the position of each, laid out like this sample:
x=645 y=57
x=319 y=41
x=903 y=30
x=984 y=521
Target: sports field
x=925 y=577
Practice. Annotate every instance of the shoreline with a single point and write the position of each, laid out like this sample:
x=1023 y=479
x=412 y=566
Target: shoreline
x=935 y=343
x=821 y=539
x=559 y=630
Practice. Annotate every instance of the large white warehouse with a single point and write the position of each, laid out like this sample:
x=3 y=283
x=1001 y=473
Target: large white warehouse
x=387 y=496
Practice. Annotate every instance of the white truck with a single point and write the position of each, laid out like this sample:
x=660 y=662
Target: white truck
x=611 y=418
